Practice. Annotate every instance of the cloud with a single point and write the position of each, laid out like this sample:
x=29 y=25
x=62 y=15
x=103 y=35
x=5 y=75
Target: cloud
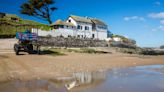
x=162 y=21
x=159 y=28
x=156 y=15
x=157 y=3
x=126 y=18
x=134 y=18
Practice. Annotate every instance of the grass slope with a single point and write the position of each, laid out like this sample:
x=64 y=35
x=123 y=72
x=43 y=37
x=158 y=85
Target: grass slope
x=9 y=27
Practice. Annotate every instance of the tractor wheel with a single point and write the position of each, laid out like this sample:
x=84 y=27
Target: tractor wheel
x=17 y=53
x=30 y=49
x=16 y=49
x=38 y=50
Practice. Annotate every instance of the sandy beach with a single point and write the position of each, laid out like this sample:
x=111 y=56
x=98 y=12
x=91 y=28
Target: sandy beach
x=26 y=67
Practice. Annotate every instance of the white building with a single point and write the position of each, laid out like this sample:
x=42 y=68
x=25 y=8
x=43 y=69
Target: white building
x=61 y=28
x=82 y=27
x=99 y=29
x=89 y=27
x=117 y=39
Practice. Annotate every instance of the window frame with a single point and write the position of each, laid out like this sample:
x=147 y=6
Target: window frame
x=86 y=28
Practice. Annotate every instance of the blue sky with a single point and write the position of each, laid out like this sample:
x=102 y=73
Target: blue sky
x=142 y=20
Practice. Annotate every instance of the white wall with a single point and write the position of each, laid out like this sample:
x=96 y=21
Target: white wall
x=71 y=32
x=100 y=35
x=41 y=32
x=72 y=21
x=64 y=32
x=55 y=32
x=117 y=39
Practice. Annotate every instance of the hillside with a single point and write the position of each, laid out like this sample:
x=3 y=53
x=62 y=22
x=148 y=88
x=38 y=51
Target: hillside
x=10 y=24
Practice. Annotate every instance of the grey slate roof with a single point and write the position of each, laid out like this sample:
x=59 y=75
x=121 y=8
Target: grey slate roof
x=81 y=19
x=60 y=22
x=98 y=22
x=88 y=20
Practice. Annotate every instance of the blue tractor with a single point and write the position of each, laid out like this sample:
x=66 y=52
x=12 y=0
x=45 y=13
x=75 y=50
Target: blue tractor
x=27 y=42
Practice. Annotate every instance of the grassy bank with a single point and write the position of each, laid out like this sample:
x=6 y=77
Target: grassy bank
x=8 y=28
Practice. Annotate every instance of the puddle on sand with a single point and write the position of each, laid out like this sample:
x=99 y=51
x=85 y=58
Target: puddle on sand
x=83 y=78
x=133 y=79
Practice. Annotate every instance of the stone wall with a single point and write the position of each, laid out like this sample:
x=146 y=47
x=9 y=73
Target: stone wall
x=71 y=42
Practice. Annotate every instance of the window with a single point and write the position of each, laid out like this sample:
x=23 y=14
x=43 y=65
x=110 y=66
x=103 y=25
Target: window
x=61 y=26
x=93 y=35
x=78 y=27
x=56 y=27
x=102 y=27
x=86 y=28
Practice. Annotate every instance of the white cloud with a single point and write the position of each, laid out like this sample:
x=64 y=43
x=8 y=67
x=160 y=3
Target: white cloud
x=157 y=3
x=156 y=15
x=154 y=29
x=126 y=18
x=162 y=21
x=134 y=18
x=159 y=28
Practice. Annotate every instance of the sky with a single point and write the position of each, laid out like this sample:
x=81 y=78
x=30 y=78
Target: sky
x=141 y=20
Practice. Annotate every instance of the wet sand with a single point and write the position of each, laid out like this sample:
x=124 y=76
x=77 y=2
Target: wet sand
x=133 y=79
x=27 y=67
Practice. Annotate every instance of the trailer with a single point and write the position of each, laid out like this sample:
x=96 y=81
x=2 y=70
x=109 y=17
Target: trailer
x=27 y=42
